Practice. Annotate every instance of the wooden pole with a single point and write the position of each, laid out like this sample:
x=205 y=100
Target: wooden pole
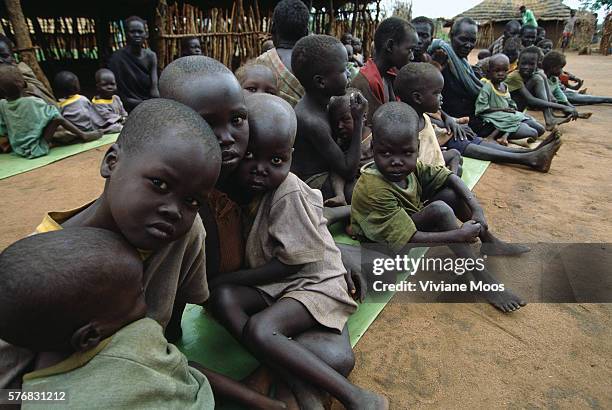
x=160 y=22
x=331 y=18
x=355 y=12
x=23 y=40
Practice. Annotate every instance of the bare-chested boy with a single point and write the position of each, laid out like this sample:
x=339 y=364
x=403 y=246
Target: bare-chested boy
x=319 y=62
x=135 y=67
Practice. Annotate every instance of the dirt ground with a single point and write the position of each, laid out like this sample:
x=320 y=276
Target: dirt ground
x=456 y=355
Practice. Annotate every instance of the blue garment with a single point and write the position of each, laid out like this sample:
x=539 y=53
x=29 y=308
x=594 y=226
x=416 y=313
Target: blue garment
x=459 y=67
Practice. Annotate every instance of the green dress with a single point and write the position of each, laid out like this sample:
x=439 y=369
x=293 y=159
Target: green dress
x=489 y=98
x=23 y=121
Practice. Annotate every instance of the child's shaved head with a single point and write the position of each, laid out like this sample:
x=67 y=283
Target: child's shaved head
x=270 y=111
x=11 y=82
x=178 y=74
x=395 y=115
x=56 y=283
x=317 y=55
x=103 y=72
x=414 y=77
x=158 y=118
x=66 y=83
x=257 y=78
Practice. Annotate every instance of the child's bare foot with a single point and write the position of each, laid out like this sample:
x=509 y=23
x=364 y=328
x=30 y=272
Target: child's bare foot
x=554 y=135
x=503 y=140
x=500 y=248
x=368 y=400
x=542 y=157
x=583 y=91
x=585 y=115
x=260 y=380
x=503 y=300
x=92 y=135
x=338 y=200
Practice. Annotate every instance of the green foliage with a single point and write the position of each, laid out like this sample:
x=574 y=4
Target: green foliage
x=595 y=5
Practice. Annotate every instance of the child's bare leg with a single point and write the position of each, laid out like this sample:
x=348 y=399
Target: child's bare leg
x=523 y=131
x=503 y=139
x=453 y=160
x=230 y=389
x=337 y=183
x=494 y=135
x=85 y=136
x=439 y=216
x=539 y=158
x=233 y=305
x=491 y=245
x=267 y=334
x=538 y=87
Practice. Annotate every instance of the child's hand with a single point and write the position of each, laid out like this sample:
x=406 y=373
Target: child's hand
x=478 y=216
x=571 y=111
x=469 y=231
x=358 y=105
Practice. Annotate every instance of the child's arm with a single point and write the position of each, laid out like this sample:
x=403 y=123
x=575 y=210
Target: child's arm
x=230 y=389
x=57 y=121
x=154 y=88
x=270 y=272
x=535 y=102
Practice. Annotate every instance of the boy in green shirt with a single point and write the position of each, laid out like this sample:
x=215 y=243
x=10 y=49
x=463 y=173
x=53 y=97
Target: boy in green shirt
x=399 y=200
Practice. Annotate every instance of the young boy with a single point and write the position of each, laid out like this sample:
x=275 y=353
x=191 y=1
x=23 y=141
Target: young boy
x=135 y=66
x=319 y=62
x=294 y=278
x=161 y=169
x=529 y=88
x=74 y=107
x=388 y=201
x=495 y=106
x=420 y=85
x=29 y=122
x=257 y=78
x=76 y=298
x=96 y=352
x=109 y=109
x=190 y=46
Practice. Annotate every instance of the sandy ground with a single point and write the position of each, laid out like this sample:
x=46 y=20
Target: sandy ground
x=456 y=355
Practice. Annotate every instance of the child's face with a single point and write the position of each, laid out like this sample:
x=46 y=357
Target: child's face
x=260 y=79
x=267 y=161
x=403 y=52
x=335 y=78
x=219 y=100
x=342 y=121
x=154 y=196
x=5 y=54
x=528 y=64
x=430 y=95
x=498 y=71
x=194 y=48
x=106 y=85
x=136 y=33
x=529 y=36
x=356 y=45
x=557 y=71
x=424 y=33
x=396 y=152
x=546 y=47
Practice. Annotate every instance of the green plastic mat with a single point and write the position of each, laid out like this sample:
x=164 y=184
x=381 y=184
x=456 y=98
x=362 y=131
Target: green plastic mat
x=206 y=342
x=11 y=164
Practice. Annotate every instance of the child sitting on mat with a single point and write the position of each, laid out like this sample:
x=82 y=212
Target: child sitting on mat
x=294 y=280
x=390 y=197
x=107 y=105
x=495 y=106
x=29 y=123
x=74 y=107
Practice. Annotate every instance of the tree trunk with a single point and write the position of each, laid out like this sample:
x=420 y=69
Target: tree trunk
x=355 y=12
x=23 y=40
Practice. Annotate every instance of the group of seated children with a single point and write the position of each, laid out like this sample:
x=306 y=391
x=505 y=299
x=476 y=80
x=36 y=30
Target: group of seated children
x=218 y=194
x=29 y=125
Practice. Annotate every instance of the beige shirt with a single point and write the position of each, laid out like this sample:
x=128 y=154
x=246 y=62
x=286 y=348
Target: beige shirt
x=289 y=225
x=429 y=149
x=176 y=272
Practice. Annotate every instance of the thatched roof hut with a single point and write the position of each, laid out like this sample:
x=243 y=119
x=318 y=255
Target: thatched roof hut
x=492 y=15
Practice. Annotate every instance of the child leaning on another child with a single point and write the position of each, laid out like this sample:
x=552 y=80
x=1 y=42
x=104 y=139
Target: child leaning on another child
x=295 y=278
x=30 y=123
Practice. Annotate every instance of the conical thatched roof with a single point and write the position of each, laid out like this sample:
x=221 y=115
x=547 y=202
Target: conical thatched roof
x=504 y=10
